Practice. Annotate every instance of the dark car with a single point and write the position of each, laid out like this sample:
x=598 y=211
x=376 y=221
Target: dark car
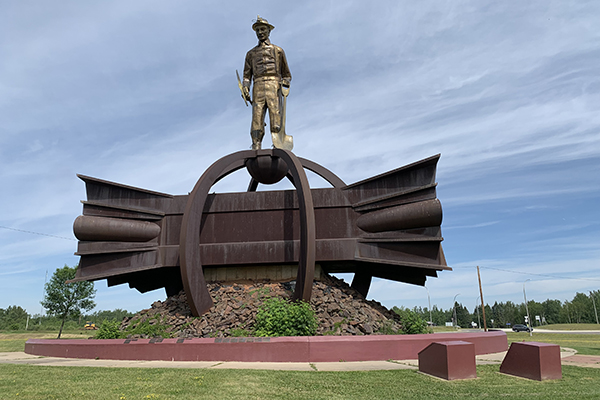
x=521 y=328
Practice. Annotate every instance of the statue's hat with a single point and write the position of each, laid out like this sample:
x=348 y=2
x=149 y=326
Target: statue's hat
x=261 y=21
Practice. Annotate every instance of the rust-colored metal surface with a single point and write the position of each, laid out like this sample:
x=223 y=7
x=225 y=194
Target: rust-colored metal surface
x=306 y=262
x=192 y=275
x=387 y=226
x=533 y=360
x=190 y=258
x=449 y=360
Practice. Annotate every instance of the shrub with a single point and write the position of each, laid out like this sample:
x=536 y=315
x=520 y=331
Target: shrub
x=109 y=330
x=412 y=323
x=387 y=329
x=279 y=317
x=150 y=328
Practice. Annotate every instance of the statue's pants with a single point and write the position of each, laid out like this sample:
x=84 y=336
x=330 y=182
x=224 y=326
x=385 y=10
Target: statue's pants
x=265 y=95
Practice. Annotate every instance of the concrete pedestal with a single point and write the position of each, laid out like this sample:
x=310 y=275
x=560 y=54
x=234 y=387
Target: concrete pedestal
x=449 y=360
x=533 y=360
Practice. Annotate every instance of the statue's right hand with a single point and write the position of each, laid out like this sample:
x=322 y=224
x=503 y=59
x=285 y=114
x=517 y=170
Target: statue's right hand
x=246 y=94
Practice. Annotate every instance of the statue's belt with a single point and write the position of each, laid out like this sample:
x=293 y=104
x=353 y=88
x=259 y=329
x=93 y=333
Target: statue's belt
x=267 y=78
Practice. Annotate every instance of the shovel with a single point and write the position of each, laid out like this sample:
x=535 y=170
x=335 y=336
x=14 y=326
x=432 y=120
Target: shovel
x=281 y=140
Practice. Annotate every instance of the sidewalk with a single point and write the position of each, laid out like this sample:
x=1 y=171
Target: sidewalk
x=23 y=358
x=568 y=356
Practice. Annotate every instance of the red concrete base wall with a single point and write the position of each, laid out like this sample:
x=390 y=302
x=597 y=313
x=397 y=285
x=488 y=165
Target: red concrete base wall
x=533 y=360
x=449 y=360
x=280 y=349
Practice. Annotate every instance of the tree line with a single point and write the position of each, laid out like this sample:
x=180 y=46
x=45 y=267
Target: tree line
x=582 y=308
x=66 y=304
x=15 y=318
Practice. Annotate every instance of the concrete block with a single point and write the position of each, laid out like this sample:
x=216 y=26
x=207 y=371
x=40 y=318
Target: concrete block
x=533 y=360
x=449 y=360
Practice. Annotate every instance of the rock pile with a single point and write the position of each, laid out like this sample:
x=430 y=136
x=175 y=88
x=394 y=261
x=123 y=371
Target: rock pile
x=340 y=310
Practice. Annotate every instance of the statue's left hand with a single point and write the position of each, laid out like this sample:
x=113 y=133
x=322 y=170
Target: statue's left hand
x=246 y=93
x=285 y=87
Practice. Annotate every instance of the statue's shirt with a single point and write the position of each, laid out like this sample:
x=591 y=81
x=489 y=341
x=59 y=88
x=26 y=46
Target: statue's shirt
x=265 y=61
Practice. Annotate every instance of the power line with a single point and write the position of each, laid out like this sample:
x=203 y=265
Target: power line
x=37 y=233
x=531 y=273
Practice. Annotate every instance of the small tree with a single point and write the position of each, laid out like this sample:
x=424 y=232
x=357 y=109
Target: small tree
x=63 y=299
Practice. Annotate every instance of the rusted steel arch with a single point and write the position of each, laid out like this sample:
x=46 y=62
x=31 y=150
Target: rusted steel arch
x=190 y=265
x=323 y=172
x=318 y=169
x=192 y=274
x=308 y=242
x=235 y=166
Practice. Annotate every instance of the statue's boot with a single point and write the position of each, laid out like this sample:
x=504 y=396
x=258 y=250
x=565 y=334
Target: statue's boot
x=257 y=137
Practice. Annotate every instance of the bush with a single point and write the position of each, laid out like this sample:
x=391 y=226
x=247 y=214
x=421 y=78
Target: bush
x=148 y=328
x=152 y=327
x=412 y=323
x=387 y=329
x=109 y=330
x=279 y=317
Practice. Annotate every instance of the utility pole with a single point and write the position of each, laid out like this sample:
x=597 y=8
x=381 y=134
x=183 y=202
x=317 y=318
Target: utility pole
x=477 y=308
x=43 y=293
x=429 y=301
x=595 y=310
x=527 y=307
x=482 y=306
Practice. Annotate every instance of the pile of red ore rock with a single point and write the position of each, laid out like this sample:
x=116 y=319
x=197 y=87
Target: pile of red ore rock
x=340 y=310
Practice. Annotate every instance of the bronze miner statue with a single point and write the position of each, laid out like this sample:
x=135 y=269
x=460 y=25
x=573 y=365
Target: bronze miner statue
x=267 y=67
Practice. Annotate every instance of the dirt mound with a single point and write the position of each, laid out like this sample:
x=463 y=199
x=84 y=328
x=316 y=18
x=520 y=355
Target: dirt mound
x=340 y=310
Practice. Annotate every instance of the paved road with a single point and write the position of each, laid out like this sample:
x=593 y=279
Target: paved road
x=541 y=330
x=535 y=330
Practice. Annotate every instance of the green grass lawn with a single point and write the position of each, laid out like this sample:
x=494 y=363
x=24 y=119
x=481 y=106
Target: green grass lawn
x=441 y=329
x=584 y=344
x=570 y=327
x=8 y=345
x=15 y=340
x=51 y=334
x=39 y=382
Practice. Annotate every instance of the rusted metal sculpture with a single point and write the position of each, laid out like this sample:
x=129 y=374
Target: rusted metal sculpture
x=387 y=226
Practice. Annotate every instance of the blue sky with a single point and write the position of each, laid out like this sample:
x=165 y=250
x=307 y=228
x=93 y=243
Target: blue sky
x=144 y=93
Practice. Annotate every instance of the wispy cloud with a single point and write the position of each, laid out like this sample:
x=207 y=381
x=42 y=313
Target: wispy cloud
x=481 y=225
